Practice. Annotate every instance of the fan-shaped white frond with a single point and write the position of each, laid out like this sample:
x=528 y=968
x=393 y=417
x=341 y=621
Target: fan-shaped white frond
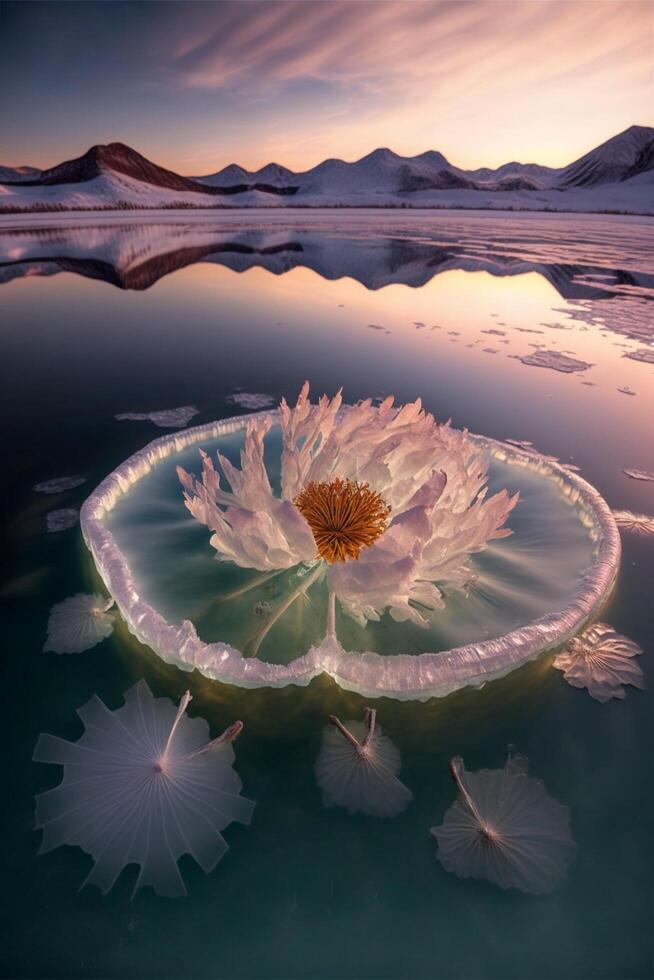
x=505 y=828
x=143 y=785
x=357 y=768
x=79 y=623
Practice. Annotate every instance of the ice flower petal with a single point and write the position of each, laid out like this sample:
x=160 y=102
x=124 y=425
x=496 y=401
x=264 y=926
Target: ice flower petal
x=432 y=477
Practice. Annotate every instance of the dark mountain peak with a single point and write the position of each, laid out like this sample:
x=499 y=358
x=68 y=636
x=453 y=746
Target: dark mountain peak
x=120 y=160
x=639 y=131
x=113 y=153
x=625 y=155
x=111 y=158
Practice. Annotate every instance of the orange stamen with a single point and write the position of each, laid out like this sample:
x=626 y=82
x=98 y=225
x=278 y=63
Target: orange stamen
x=344 y=516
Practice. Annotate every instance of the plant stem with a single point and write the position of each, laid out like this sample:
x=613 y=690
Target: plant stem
x=371 y=717
x=259 y=580
x=229 y=735
x=343 y=730
x=183 y=705
x=281 y=609
x=331 y=615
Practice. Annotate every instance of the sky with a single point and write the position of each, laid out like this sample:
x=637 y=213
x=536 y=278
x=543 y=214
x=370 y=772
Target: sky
x=195 y=86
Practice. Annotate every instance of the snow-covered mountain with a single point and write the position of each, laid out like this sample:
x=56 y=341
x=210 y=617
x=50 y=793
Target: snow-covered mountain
x=18 y=174
x=616 y=176
x=530 y=171
x=272 y=174
x=383 y=172
x=620 y=158
x=117 y=175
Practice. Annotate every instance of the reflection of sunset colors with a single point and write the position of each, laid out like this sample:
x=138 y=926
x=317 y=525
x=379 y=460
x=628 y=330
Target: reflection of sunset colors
x=485 y=83
x=449 y=301
x=306 y=318
x=457 y=303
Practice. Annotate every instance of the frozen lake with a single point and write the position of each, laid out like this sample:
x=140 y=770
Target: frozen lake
x=527 y=327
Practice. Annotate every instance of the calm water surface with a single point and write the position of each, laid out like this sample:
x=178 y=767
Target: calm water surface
x=112 y=318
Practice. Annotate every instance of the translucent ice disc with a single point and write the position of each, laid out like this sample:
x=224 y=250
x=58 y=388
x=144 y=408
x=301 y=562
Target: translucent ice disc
x=531 y=591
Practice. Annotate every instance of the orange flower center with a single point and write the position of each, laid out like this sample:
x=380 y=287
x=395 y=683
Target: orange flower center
x=344 y=516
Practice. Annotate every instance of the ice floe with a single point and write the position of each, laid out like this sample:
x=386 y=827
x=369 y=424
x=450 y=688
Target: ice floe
x=60 y=484
x=167 y=418
x=636 y=474
x=255 y=400
x=61 y=520
x=642 y=354
x=554 y=360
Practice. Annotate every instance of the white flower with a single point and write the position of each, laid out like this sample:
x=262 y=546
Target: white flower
x=392 y=502
x=601 y=660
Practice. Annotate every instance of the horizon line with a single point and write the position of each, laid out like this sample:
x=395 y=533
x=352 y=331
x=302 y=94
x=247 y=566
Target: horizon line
x=377 y=149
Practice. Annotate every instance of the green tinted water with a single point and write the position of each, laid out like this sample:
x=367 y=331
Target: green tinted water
x=305 y=891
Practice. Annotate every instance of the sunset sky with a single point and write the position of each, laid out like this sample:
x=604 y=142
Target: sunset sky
x=195 y=86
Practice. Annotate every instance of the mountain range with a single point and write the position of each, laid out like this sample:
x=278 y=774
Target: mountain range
x=616 y=176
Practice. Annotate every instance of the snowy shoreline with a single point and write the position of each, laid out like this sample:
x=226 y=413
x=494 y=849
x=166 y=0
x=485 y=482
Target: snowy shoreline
x=284 y=217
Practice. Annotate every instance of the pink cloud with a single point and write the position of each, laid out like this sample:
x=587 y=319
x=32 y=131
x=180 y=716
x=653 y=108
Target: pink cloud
x=403 y=47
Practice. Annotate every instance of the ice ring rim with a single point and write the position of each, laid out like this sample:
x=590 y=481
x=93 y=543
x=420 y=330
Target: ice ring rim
x=398 y=676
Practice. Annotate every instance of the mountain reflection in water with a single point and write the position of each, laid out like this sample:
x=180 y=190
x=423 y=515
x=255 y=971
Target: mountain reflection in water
x=585 y=259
